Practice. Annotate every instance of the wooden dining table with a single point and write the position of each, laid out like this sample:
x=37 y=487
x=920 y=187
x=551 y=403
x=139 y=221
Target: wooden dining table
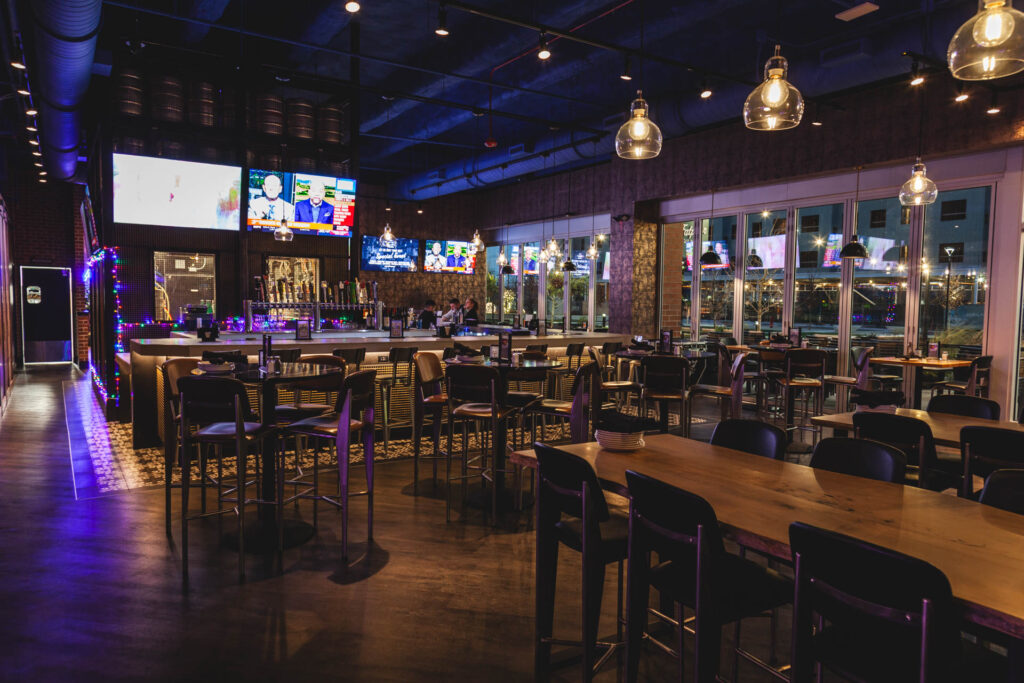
x=912 y=368
x=945 y=427
x=978 y=547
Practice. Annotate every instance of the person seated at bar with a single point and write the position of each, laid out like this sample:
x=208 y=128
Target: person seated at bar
x=428 y=318
x=471 y=312
x=452 y=314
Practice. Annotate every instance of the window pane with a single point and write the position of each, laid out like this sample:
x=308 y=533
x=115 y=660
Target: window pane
x=579 y=283
x=880 y=281
x=718 y=235
x=953 y=271
x=686 y=290
x=510 y=285
x=530 y=278
x=183 y=279
x=493 y=296
x=555 y=303
x=764 y=273
x=816 y=296
x=603 y=278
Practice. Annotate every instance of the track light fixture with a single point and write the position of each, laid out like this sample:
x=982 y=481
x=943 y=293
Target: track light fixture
x=543 y=51
x=627 y=71
x=24 y=92
x=20 y=66
x=36 y=153
x=961 y=94
x=352 y=6
x=705 y=91
x=916 y=77
x=419 y=209
x=993 y=107
x=31 y=112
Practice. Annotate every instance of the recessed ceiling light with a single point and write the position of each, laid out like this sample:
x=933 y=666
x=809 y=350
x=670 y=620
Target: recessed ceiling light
x=42 y=173
x=705 y=93
x=31 y=112
x=37 y=154
x=33 y=142
x=31 y=129
x=352 y=6
x=18 y=65
x=38 y=164
x=42 y=180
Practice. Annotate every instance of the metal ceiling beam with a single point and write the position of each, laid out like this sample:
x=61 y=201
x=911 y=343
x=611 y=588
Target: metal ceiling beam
x=598 y=44
x=343 y=53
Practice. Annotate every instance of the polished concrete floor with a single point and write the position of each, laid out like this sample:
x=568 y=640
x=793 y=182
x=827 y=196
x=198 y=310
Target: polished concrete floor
x=91 y=589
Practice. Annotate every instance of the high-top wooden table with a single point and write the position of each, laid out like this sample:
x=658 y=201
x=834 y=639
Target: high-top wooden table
x=945 y=428
x=913 y=368
x=980 y=548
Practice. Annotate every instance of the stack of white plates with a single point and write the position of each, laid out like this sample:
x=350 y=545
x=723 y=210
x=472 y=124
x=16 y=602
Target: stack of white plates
x=619 y=441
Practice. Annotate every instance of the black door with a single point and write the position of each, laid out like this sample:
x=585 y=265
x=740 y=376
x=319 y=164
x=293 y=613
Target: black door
x=46 y=314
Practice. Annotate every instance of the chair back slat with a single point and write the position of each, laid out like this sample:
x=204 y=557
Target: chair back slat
x=805 y=363
x=966 y=405
x=751 y=436
x=360 y=387
x=474 y=384
x=665 y=373
x=860 y=458
x=205 y=400
x=911 y=436
x=672 y=518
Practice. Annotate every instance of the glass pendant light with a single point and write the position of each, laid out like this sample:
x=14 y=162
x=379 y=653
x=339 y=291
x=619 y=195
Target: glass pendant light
x=920 y=189
x=711 y=257
x=592 y=252
x=990 y=45
x=639 y=137
x=854 y=249
x=283 y=233
x=775 y=104
x=387 y=235
x=477 y=245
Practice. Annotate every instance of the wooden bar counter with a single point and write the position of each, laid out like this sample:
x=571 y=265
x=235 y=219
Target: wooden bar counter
x=146 y=355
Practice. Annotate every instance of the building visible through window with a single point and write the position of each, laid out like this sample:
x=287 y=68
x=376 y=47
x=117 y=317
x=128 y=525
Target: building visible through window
x=877 y=219
x=953 y=210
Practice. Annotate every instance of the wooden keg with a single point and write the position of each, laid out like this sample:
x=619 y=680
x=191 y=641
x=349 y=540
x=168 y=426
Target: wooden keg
x=228 y=107
x=129 y=145
x=167 y=99
x=128 y=92
x=331 y=123
x=202 y=103
x=270 y=114
x=300 y=119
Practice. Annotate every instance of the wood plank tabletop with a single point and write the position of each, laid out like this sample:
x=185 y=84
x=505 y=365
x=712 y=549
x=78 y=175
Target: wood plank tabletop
x=980 y=548
x=945 y=428
x=927 y=363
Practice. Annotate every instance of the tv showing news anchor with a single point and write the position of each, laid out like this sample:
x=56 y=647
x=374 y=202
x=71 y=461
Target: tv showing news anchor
x=312 y=204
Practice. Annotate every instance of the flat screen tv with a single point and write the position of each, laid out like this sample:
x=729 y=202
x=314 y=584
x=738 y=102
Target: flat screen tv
x=771 y=249
x=720 y=247
x=175 y=193
x=397 y=256
x=449 y=256
x=312 y=204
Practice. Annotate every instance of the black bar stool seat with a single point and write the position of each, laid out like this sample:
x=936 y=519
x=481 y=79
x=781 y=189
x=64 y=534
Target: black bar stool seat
x=481 y=411
x=321 y=425
x=225 y=431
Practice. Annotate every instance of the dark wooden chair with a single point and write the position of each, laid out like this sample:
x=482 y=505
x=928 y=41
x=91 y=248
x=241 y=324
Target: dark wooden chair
x=975 y=383
x=574 y=511
x=967 y=406
x=861 y=359
x=429 y=402
x=867 y=613
x=729 y=397
x=983 y=450
x=664 y=381
x=580 y=411
x=1004 y=489
x=751 y=436
x=694 y=571
x=860 y=458
x=914 y=438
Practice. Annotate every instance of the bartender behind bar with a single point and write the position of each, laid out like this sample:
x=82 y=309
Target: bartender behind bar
x=451 y=316
x=428 y=318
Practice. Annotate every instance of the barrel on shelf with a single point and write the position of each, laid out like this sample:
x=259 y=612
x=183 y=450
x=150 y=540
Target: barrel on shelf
x=300 y=119
x=338 y=169
x=331 y=123
x=202 y=103
x=269 y=114
x=270 y=162
x=129 y=92
x=303 y=164
x=127 y=144
x=172 y=149
x=228 y=107
x=167 y=99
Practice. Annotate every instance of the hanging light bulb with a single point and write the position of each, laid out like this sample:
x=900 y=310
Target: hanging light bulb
x=989 y=45
x=920 y=189
x=502 y=261
x=387 y=235
x=775 y=104
x=283 y=233
x=592 y=252
x=639 y=137
x=477 y=245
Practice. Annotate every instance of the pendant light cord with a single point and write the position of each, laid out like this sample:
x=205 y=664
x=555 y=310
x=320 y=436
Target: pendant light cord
x=920 y=124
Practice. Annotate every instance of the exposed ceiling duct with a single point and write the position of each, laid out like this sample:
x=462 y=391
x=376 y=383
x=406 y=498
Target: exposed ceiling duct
x=64 y=40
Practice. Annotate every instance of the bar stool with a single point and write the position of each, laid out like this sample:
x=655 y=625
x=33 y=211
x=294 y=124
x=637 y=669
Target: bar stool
x=861 y=358
x=476 y=394
x=976 y=382
x=219 y=408
x=430 y=400
x=397 y=357
x=171 y=370
x=571 y=351
x=299 y=409
x=521 y=400
x=225 y=356
x=543 y=348
x=868 y=613
x=579 y=411
x=610 y=386
x=288 y=355
x=730 y=396
x=664 y=380
x=353 y=357
x=573 y=510
x=694 y=571
x=804 y=372
x=354 y=415
x=770 y=364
